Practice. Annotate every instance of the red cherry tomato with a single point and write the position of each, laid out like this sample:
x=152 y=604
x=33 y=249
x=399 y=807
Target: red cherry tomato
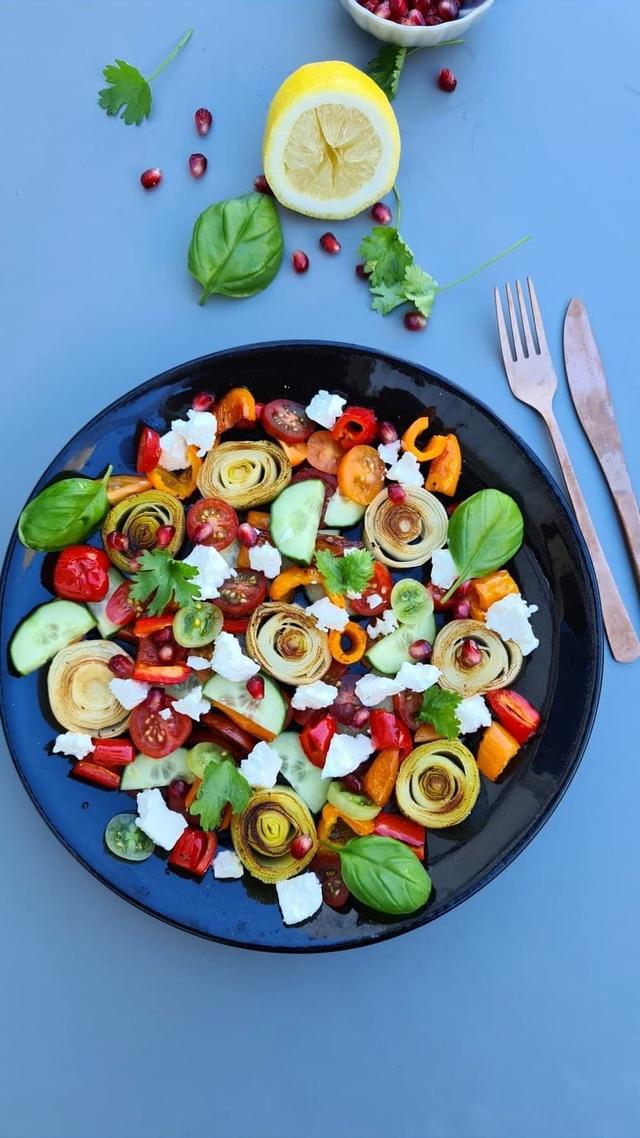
x=324 y=452
x=149 y=449
x=152 y=734
x=327 y=866
x=285 y=420
x=357 y=426
x=406 y=705
x=381 y=586
x=120 y=610
x=194 y=851
x=240 y=595
x=81 y=574
x=315 y=738
x=219 y=515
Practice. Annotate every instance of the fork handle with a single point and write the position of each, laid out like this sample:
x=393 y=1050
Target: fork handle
x=621 y=635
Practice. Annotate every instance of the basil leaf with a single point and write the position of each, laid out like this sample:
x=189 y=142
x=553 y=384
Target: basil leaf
x=64 y=513
x=485 y=531
x=237 y=246
x=384 y=874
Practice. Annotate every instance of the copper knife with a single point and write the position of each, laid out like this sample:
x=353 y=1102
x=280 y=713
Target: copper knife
x=594 y=407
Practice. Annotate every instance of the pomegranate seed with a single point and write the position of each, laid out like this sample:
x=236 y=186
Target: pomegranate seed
x=117 y=541
x=397 y=493
x=398 y=9
x=203 y=119
x=387 y=432
x=352 y=783
x=154 y=699
x=247 y=535
x=415 y=19
x=163 y=635
x=330 y=244
x=433 y=19
x=198 y=164
x=202 y=532
x=255 y=687
x=203 y=401
x=300 y=846
x=420 y=650
x=469 y=655
x=448 y=10
x=414 y=321
x=134 y=564
x=151 y=178
x=360 y=717
x=381 y=213
x=165 y=654
x=121 y=666
x=262 y=186
x=300 y=261
x=383 y=10
x=164 y=536
x=464 y=589
x=447 y=80
x=461 y=610
x=362 y=273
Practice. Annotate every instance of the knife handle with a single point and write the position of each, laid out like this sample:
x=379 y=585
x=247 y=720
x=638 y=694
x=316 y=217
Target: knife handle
x=621 y=635
x=615 y=471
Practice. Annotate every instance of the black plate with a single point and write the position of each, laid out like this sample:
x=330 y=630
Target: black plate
x=562 y=677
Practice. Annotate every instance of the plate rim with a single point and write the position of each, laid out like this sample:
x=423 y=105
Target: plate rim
x=177 y=374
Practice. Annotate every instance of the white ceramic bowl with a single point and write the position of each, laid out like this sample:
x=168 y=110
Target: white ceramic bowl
x=405 y=36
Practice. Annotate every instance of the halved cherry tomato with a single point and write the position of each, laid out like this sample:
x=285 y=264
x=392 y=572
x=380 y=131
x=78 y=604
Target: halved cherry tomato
x=380 y=586
x=330 y=484
x=389 y=731
x=295 y=452
x=326 y=864
x=149 y=449
x=361 y=474
x=120 y=610
x=241 y=594
x=194 y=851
x=147 y=625
x=324 y=452
x=236 y=405
x=221 y=729
x=315 y=738
x=152 y=734
x=287 y=421
x=93 y=772
x=355 y=427
x=113 y=752
x=81 y=574
x=406 y=705
x=181 y=483
x=219 y=515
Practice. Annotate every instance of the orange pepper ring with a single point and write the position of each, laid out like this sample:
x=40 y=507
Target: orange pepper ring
x=357 y=638
x=412 y=433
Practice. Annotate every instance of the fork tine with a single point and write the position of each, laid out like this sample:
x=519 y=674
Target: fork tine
x=524 y=316
x=503 y=335
x=515 y=331
x=537 y=319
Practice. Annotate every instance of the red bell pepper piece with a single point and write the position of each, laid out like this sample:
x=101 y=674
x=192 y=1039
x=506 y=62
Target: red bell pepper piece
x=315 y=738
x=149 y=449
x=161 y=673
x=194 y=851
x=403 y=830
x=356 y=425
x=147 y=625
x=113 y=752
x=93 y=772
x=515 y=713
x=389 y=731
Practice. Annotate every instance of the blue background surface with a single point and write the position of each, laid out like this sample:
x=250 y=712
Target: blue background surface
x=517 y=1014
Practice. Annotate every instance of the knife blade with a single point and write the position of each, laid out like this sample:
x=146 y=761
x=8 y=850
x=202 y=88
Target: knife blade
x=594 y=407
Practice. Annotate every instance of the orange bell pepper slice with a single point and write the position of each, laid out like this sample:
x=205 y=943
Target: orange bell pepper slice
x=192 y=792
x=295 y=452
x=485 y=591
x=426 y=733
x=236 y=405
x=411 y=435
x=497 y=748
x=437 y=444
x=285 y=584
x=335 y=826
x=247 y=724
x=380 y=779
x=357 y=638
x=445 y=470
x=181 y=483
x=259 y=519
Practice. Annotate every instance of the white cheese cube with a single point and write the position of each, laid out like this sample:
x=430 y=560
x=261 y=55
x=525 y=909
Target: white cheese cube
x=299 y=898
x=261 y=766
x=162 y=825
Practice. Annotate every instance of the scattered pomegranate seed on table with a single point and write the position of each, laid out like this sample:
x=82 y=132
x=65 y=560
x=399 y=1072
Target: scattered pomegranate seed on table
x=300 y=261
x=387 y=432
x=203 y=401
x=414 y=321
x=300 y=846
x=362 y=273
x=255 y=687
x=447 y=80
x=397 y=493
x=203 y=119
x=381 y=213
x=247 y=535
x=164 y=536
x=121 y=666
x=330 y=244
x=151 y=178
x=261 y=184
x=202 y=532
x=197 y=164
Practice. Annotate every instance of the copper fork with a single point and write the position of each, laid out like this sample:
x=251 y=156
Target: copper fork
x=533 y=381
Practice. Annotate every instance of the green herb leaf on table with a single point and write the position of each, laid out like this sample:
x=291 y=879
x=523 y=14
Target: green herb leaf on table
x=221 y=783
x=420 y=288
x=384 y=874
x=64 y=513
x=163 y=579
x=128 y=89
x=237 y=246
x=484 y=533
x=349 y=573
x=386 y=68
x=439 y=709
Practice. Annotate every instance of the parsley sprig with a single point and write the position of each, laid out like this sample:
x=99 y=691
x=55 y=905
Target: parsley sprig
x=221 y=783
x=439 y=709
x=129 y=89
x=349 y=573
x=163 y=579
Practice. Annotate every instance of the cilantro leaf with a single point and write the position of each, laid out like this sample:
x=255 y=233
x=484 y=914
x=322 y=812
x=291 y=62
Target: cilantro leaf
x=420 y=288
x=349 y=573
x=386 y=68
x=384 y=297
x=386 y=256
x=221 y=783
x=163 y=579
x=439 y=708
x=129 y=89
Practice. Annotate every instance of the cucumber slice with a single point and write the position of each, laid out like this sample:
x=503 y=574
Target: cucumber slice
x=106 y=628
x=199 y=757
x=342 y=512
x=295 y=517
x=49 y=628
x=144 y=772
x=262 y=717
x=356 y=806
x=305 y=779
x=410 y=600
x=388 y=654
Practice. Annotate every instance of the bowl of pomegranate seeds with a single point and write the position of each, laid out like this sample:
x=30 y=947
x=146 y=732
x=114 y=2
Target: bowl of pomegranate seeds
x=416 y=23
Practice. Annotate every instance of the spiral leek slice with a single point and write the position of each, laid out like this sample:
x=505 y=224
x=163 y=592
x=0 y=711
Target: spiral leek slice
x=245 y=474
x=438 y=784
x=501 y=659
x=287 y=643
x=263 y=833
x=79 y=693
x=405 y=534
x=138 y=518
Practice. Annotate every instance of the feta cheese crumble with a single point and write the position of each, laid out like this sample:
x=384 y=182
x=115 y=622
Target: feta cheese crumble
x=389 y=452
x=314 y=696
x=192 y=704
x=417 y=677
x=509 y=617
x=472 y=714
x=198 y=663
x=162 y=825
x=345 y=754
x=226 y=865
x=372 y=690
x=266 y=559
x=229 y=661
x=443 y=569
x=385 y=624
x=299 y=898
x=374 y=599
x=328 y=615
x=212 y=568
x=128 y=692
x=73 y=744
x=261 y=766
x=173 y=452
x=406 y=470
x=325 y=409
x=198 y=430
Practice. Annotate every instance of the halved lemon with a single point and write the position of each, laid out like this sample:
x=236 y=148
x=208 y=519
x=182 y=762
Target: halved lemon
x=331 y=142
